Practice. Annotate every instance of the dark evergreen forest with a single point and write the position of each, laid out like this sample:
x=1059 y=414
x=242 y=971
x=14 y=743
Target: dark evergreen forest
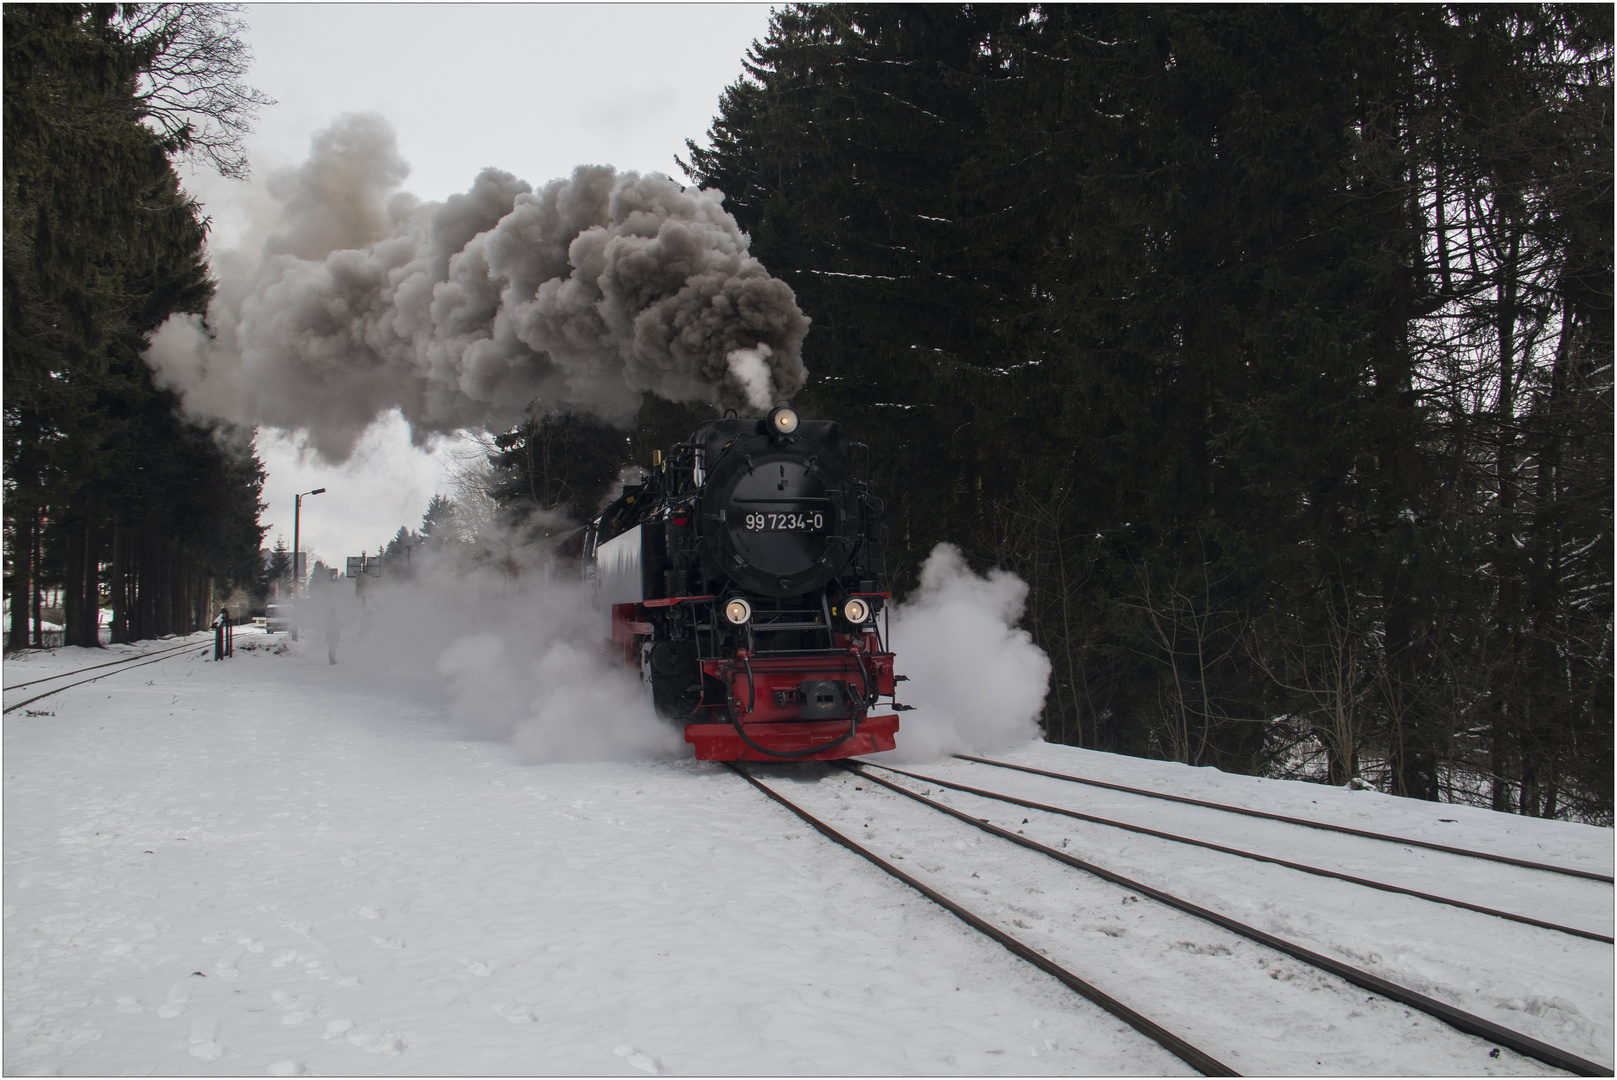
x=1271 y=345
x=109 y=496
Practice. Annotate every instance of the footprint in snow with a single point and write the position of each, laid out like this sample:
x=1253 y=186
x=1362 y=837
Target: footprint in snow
x=225 y=967
x=178 y=995
x=296 y=1009
x=388 y=942
x=644 y=1062
x=336 y=1028
x=475 y=967
x=381 y=1042
x=130 y=1005
x=518 y=1013
x=207 y=1051
x=205 y=1044
x=286 y=1068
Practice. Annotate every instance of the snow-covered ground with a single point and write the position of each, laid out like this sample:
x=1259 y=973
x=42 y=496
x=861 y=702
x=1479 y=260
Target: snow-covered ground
x=273 y=866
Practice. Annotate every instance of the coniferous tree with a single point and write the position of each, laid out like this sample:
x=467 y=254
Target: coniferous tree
x=278 y=567
x=1269 y=344
x=567 y=465
x=108 y=493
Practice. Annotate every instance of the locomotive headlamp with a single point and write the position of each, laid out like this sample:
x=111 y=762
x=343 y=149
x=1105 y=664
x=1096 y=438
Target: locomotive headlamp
x=855 y=610
x=782 y=421
x=738 y=611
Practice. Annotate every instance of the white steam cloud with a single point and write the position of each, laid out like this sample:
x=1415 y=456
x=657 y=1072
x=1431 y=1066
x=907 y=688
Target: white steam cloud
x=753 y=376
x=515 y=664
x=977 y=681
x=585 y=293
x=518 y=659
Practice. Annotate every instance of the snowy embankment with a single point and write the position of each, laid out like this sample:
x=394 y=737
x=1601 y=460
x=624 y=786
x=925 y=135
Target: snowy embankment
x=269 y=865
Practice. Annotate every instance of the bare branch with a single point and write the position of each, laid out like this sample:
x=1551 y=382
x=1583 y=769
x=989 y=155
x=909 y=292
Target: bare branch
x=192 y=91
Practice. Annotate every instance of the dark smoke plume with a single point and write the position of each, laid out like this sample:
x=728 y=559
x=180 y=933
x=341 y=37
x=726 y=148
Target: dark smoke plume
x=585 y=294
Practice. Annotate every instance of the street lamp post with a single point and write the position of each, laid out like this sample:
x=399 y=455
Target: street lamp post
x=297 y=577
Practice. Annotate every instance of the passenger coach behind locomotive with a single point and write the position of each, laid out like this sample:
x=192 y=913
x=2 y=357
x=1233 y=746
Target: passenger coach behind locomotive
x=744 y=578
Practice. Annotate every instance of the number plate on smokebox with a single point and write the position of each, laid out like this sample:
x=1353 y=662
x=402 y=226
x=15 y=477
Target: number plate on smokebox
x=806 y=521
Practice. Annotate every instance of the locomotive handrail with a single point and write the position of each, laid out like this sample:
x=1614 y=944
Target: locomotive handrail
x=752 y=685
x=782 y=654
x=825 y=611
x=864 y=675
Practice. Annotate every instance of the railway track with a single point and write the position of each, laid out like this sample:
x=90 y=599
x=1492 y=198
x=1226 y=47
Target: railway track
x=127 y=663
x=1196 y=1056
x=1317 y=871
x=1304 y=822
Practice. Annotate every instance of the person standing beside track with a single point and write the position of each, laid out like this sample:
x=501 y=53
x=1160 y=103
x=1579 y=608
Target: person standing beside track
x=333 y=634
x=221 y=632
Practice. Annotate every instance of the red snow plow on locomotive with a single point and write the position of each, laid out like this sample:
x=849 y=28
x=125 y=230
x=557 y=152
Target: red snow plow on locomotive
x=744 y=580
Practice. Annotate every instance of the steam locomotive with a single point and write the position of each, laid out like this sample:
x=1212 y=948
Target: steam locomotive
x=744 y=580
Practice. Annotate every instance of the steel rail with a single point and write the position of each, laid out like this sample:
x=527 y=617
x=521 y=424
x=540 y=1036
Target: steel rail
x=94 y=667
x=95 y=678
x=1305 y=822
x=1255 y=856
x=1184 y=1051
x=1458 y=1019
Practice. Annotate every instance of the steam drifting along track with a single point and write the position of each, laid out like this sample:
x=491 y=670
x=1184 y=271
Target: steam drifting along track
x=1460 y=1020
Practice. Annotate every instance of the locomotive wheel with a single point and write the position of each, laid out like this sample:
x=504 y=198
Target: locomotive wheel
x=676 y=679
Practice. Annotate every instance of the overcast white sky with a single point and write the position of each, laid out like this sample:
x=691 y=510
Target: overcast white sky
x=532 y=89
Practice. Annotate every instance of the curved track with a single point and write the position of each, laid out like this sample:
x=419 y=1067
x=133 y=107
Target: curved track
x=1304 y=822
x=1456 y=1018
x=128 y=663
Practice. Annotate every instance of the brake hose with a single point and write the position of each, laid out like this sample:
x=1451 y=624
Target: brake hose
x=853 y=729
x=752 y=693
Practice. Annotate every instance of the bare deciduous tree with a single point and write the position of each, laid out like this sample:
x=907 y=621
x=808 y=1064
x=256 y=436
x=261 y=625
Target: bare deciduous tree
x=1195 y=629
x=469 y=477
x=1329 y=669
x=192 y=90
